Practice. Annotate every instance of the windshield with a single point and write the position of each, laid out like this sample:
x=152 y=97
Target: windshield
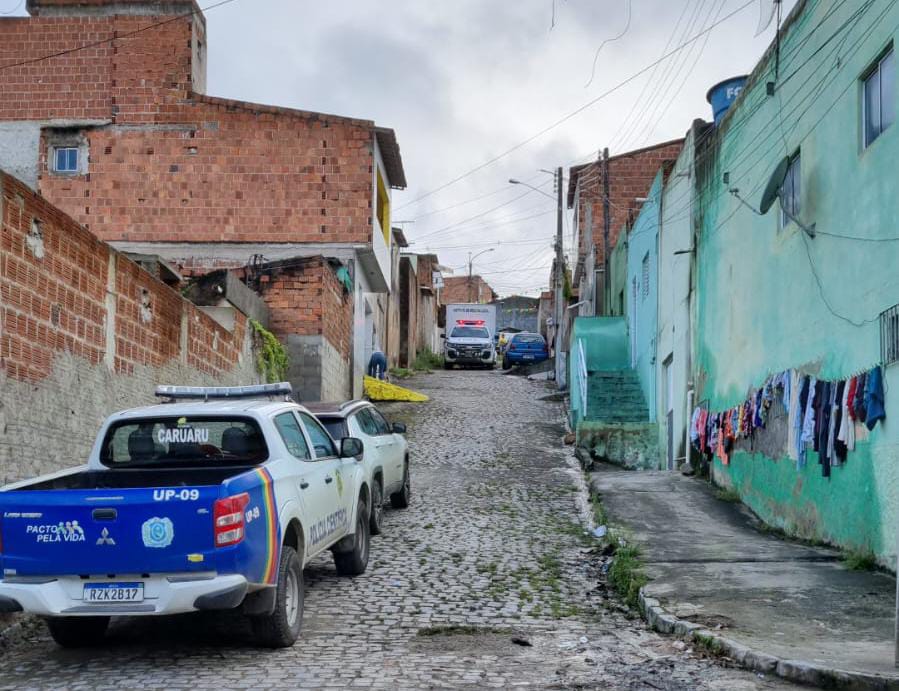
x=469 y=332
x=186 y=440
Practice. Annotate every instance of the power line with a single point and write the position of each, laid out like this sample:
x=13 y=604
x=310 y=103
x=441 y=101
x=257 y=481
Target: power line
x=627 y=26
x=127 y=34
x=578 y=110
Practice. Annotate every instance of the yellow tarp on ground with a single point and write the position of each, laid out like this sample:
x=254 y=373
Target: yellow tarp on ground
x=378 y=390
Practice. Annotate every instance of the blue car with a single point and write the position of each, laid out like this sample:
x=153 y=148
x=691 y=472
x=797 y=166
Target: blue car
x=525 y=349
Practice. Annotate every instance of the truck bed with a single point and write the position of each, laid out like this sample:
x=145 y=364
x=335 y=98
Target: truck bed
x=125 y=478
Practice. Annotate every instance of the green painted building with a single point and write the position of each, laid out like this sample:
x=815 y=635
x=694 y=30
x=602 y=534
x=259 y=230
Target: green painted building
x=770 y=297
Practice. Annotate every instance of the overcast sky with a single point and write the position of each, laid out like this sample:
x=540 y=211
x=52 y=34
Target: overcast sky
x=464 y=81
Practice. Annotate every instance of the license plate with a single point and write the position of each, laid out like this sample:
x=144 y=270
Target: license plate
x=527 y=357
x=114 y=592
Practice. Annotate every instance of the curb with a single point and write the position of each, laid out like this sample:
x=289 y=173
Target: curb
x=792 y=670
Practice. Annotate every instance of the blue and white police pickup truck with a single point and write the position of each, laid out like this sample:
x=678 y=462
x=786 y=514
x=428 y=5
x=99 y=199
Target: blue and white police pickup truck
x=184 y=506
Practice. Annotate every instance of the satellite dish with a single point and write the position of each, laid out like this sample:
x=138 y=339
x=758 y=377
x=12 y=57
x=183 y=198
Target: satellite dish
x=772 y=189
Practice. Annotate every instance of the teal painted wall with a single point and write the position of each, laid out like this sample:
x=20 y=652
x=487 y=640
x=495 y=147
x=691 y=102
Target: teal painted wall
x=604 y=342
x=761 y=308
x=643 y=302
x=617 y=297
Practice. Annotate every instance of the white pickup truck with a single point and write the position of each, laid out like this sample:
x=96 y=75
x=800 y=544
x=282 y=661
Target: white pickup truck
x=216 y=503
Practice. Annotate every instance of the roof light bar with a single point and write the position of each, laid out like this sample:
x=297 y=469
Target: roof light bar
x=209 y=392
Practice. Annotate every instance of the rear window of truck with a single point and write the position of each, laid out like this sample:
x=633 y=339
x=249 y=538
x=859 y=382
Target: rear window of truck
x=183 y=440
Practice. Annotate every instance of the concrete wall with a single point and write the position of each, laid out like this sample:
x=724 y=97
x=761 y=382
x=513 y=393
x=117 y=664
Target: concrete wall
x=674 y=280
x=518 y=312
x=318 y=371
x=642 y=246
x=761 y=308
x=19 y=148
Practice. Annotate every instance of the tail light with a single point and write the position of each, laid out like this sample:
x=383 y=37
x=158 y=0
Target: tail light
x=229 y=522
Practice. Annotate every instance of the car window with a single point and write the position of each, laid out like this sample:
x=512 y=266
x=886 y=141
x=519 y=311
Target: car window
x=322 y=443
x=290 y=432
x=382 y=425
x=186 y=440
x=336 y=427
x=366 y=422
x=528 y=339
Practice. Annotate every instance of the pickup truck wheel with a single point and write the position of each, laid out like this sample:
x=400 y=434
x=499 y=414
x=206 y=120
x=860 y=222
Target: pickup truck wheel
x=400 y=500
x=78 y=632
x=377 y=509
x=354 y=562
x=281 y=628
x=447 y=365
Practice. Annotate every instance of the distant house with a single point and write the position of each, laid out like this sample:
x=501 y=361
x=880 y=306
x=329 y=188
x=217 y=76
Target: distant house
x=460 y=289
x=518 y=312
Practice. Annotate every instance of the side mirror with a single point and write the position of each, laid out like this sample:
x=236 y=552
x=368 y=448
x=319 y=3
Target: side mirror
x=443 y=336
x=399 y=428
x=351 y=447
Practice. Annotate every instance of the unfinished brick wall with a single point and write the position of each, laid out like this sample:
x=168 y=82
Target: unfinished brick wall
x=306 y=299
x=83 y=332
x=222 y=172
x=630 y=177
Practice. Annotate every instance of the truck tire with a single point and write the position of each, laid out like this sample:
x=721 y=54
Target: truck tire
x=355 y=561
x=376 y=519
x=281 y=628
x=400 y=500
x=447 y=365
x=78 y=632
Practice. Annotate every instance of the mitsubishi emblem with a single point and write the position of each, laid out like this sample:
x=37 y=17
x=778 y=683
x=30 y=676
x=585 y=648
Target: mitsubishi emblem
x=104 y=538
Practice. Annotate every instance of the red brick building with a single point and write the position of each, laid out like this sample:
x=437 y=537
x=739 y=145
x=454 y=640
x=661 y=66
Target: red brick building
x=122 y=137
x=630 y=177
x=464 y=289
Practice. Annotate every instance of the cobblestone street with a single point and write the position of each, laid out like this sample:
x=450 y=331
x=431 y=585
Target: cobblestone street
x=486 y=580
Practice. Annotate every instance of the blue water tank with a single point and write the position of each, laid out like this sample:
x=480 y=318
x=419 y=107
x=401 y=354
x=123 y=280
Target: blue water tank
x=723 y=94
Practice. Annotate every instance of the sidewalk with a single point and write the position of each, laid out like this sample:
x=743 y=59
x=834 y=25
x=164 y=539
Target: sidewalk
x=777 y=607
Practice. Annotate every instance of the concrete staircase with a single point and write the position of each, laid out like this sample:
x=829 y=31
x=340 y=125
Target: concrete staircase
x=616 y=427
x=615 y=397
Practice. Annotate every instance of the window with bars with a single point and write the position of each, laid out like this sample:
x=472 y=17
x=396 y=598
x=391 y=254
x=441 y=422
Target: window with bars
x=889 y=335
x=645 y=285
x=878 y=97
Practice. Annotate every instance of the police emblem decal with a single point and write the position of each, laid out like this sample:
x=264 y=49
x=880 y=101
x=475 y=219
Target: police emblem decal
x=158 y=532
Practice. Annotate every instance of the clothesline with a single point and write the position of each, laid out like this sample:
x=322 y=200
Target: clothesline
x=825 y=416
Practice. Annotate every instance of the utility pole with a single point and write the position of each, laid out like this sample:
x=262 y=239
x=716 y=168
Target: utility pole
x=469 y=277
x=606 y=225
x=559 y=282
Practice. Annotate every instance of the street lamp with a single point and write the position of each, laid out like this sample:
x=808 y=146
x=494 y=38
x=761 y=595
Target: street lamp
x=470 y=262
x=513 y=181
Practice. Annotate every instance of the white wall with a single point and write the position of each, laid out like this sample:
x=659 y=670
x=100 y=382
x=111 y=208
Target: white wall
x=674 y=301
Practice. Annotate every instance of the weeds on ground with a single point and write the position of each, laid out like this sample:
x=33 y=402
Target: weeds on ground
x=728 y=495
x=459 y=630
x=401 y=373
x=859 y=561
x=425 y=361
x=626 y=574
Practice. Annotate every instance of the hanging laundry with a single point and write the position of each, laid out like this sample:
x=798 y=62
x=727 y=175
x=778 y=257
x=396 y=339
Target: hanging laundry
x=839 y=445
x=846 y=435
x=808 y=421
x=874 y=398
x=850 y=397
x=858 y=402
x=694 y=426
x=793 y=409
x=824 y=409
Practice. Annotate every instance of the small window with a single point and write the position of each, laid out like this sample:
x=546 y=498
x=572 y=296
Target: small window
x=381 y=424
x=889 y=335
x=336 y=427
x=367 y=423
x=790 y=191
x=879 y=97
x=321 y=440
x=290 y=432
x=645 y=290
x=65 y=159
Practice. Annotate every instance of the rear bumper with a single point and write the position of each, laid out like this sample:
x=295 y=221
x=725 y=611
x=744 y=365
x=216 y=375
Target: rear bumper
x=522 y=359
x=170 y=594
